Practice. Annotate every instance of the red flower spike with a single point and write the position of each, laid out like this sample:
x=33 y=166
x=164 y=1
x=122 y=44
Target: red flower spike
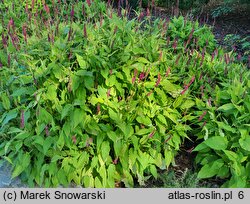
x=160 y=56
x=115 y=161
x=168 y=40
x=140 y=16
x=135 y=75
x=168 y=72
x=98 y=108
x=185 y=89
x=47 y=130
x=119 y=8
x=148 y=12
x=10 y=24
x=46 y=8
x=9 y=60
x=33 y=4
x=108 y=92
x=115 y=30
x=202 y=116
x=190 y=150
x=239 y=57
x=168 y=138
x=151 y=134
x=24 y=33
x=74 y=140
x=142 y=76
x=88 y=2
x=158 y=80
x=149 y=93
x=140 y=3
x=89 y=141
x=133 y=79
x=177 y=59
x=72 y=13
x=205 y=122
x=212 y=58
x=175 y=43
x=85 y=31
x=209 y=101
x=192 y=80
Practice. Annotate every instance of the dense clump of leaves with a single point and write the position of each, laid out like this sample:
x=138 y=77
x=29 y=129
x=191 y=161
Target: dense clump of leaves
x=226 y=149
x=90 y=97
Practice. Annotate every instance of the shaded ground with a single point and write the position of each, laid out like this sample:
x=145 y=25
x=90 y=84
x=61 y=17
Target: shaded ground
x=5 y=178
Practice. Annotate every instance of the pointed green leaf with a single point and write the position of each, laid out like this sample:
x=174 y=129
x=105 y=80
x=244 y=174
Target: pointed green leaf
x=217 y=143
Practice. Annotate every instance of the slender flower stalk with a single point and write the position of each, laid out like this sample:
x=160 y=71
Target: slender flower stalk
x=168 y=138
x=115 y=30
x=108 y=93
x=11 y=25
x=119 y=8
x=98 y=108
x=168 y=41
x=239 y=57
x=89 y=2
x=168 y=72
x=158 y=80
x=46 y=8
x=149 y=93
x=141 y=16
x=148 y=12
x=140 y=3
x=209 y=101
x=85 y=31
x=203 y=56
x=72 y=13
x=190 y=37
x=115 y=161
x=135 y=75
x=151 y=134
x=24 y=33
x=32 y=4
x=175 y=43
x=47 y=130
x=212 y=58
x=142 y=76
x=89 y=142
x=205 y=122
x=9 y=60
x=177 y=59
x=187 y=86
x=4 y=40
x=202 y=116
x=74 y=140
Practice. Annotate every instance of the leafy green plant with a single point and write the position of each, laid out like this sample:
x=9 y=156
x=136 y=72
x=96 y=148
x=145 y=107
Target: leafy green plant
x=228 y=6
x=240 y=44
x=90 y=97
x=87 y=105
x=187 y=179
x=225 y=151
